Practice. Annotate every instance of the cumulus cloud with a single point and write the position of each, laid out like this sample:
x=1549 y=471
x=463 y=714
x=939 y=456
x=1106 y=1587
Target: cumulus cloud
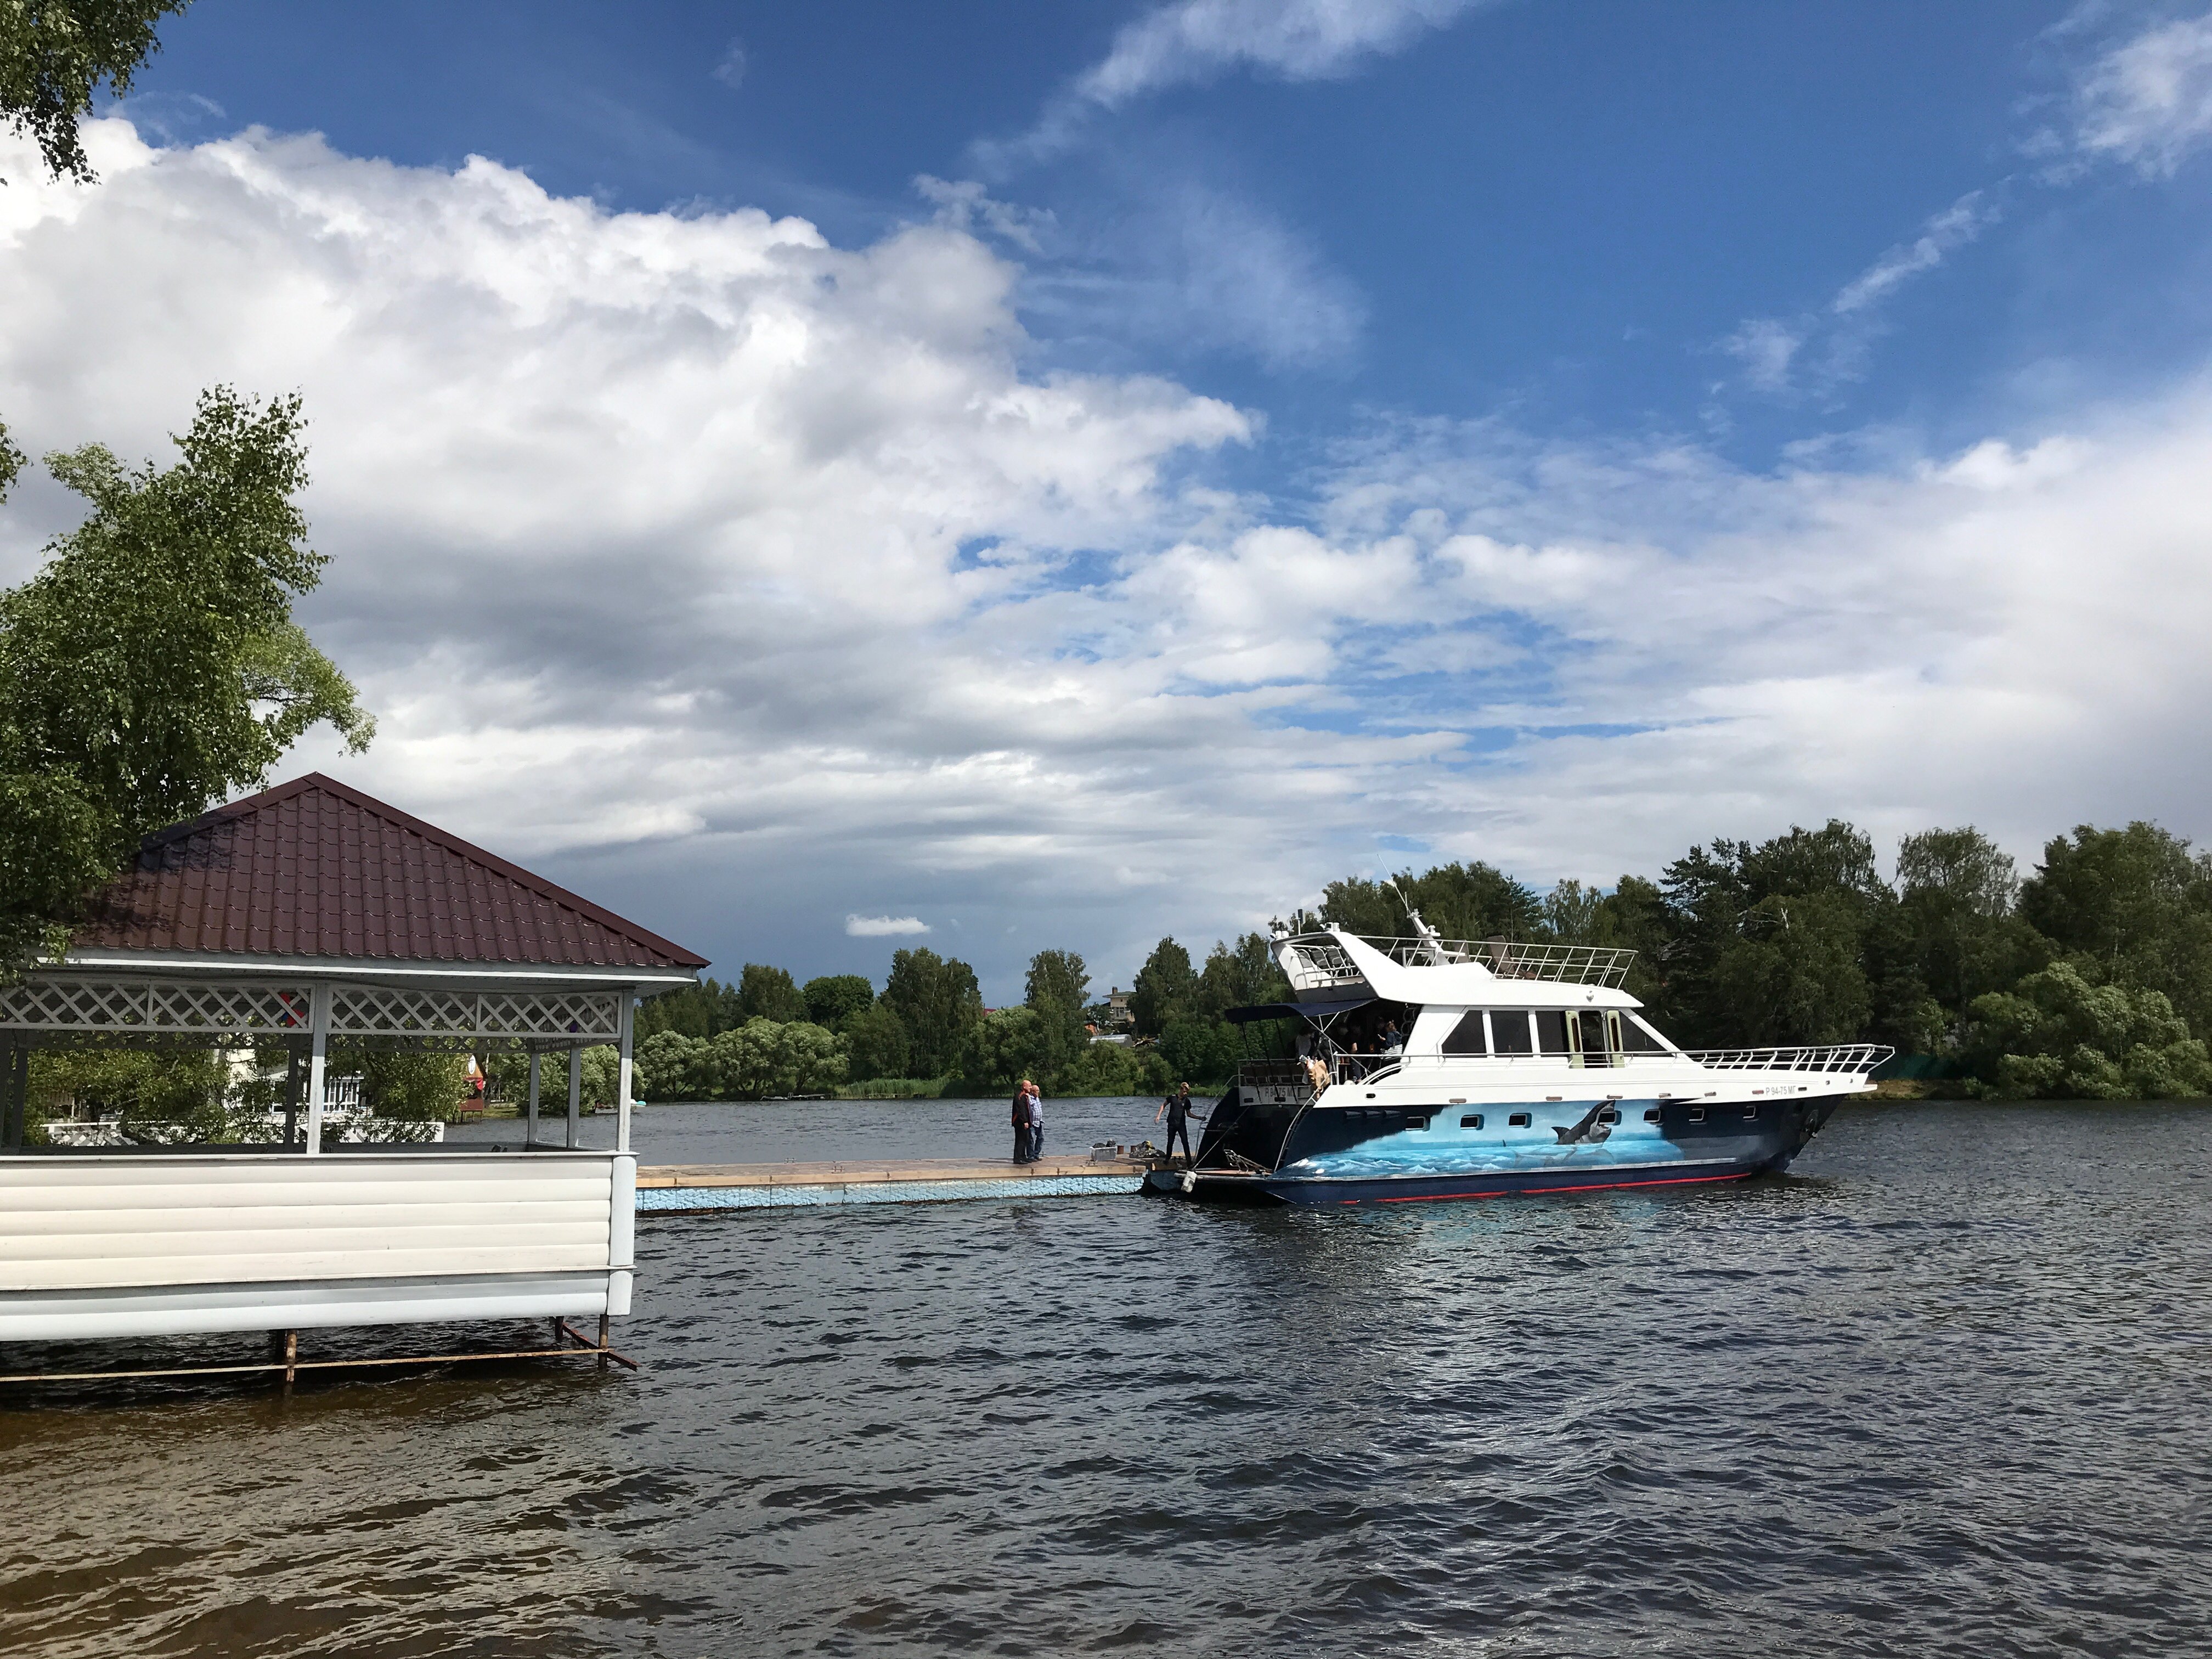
x=759 y=588
x=735 y=61
x=2147 y=101
x=883 y=927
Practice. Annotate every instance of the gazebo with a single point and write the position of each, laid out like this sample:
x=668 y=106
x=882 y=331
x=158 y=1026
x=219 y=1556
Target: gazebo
x=307 y=915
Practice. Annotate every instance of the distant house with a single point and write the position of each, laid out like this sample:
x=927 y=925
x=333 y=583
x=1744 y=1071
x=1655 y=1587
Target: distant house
x=1112 y=1017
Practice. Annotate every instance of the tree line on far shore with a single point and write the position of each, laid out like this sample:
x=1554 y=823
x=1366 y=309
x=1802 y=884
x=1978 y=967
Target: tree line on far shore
x=2091 y=978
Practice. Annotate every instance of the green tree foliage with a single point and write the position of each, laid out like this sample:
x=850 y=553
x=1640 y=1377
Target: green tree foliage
x=2059 y=1036
x=753 y=1061
x=1057 y=987
x=1239 y=976
x=1163 y=988
x=703 y=1010
x=1110 y=1068
x=54 y=56
x=765 y=993
x=834 y=999
x=1460 y=901
x=1007 y=1045
x=152 y=666
x=879 y=1042
x=939 y=1003
x=410 y=1088
x=2132 y=907
x=162 y=1099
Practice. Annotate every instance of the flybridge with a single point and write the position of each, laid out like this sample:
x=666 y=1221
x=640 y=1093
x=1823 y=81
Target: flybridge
x=1324 y=962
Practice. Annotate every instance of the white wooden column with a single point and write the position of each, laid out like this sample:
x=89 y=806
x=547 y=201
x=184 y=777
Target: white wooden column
x=318 y=1004
x=622 y=1088
x=575 y=1096
x=530 y=1128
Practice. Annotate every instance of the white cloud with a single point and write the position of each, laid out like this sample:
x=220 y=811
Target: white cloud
x=1192 y=41
x=1817 y=351
x=1298 y=40
x=736 y=578
x=883 y=927
x=2148 y=102
x=1949 y=231
x=736 y=60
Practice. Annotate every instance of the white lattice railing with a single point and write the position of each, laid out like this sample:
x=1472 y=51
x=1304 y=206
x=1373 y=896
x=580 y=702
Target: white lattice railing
x=74 y=1007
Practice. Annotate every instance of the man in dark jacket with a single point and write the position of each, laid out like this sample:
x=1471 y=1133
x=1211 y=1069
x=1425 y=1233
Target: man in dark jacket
x=1176 y=1110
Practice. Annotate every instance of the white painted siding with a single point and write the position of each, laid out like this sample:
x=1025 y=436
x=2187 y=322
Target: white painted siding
x=110 y=1222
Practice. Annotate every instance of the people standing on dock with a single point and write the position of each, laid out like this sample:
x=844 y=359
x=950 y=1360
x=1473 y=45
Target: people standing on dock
x=1021 y=1121
x=1035 y=1120
x=1176 y=1110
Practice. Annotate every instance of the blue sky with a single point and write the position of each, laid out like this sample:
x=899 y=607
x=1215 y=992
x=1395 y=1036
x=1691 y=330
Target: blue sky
x=1061 y=475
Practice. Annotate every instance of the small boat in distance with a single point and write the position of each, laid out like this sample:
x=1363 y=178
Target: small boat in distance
x=1430 y=1068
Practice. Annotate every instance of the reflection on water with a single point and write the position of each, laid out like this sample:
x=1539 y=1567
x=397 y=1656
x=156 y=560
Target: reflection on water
x=1938 y=1393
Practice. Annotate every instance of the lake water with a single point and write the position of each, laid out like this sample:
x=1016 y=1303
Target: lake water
x=1941 y=1391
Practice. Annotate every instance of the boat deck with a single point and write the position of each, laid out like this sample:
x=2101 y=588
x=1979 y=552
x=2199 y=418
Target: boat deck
x=689 y=1186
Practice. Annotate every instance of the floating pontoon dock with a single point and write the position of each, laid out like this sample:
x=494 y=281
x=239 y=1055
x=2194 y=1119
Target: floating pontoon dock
x=696 y=1187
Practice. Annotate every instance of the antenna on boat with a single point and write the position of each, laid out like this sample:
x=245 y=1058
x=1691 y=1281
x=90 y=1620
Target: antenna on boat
x=1422 y=931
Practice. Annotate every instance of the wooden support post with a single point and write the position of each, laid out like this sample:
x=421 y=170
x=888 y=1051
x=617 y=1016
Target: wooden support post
x=623 y=1088
x=530 y=1125
x=15 y=1096
x=317 y=1065
x=291 y=1094
x=575 y=1096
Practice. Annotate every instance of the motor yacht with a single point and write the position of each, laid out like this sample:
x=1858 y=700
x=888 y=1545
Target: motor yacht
x=1429 y=1069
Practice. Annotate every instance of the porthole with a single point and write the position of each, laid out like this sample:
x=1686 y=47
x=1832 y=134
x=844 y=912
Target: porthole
x=1651 y=1114
x=1610 y=1114
x=1749 y=1113
x=1417 y=1123
x=1697 y=1115
x=1519 y=1121
x=1471 y=1121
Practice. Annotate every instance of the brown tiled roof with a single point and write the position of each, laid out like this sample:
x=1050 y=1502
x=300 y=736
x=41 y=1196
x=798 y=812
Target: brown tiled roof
x=313 y=868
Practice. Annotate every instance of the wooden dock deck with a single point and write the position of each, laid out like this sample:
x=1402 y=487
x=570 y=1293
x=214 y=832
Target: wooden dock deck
x=687 y=1187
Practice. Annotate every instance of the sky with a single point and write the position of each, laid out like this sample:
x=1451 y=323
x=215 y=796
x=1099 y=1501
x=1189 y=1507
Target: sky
x=825 y=479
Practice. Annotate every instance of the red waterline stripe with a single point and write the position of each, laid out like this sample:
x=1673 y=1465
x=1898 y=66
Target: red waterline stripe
x=1601 y=1187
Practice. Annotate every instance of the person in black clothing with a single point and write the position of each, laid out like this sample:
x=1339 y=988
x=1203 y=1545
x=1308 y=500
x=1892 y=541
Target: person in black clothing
x=1021 y=1120
x=1176 y=1110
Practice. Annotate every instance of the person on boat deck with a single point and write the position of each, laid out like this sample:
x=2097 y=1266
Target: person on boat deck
x=1020 y=1117
x=1035 y=1120
x=1176 y=1110
x=1394 y=1040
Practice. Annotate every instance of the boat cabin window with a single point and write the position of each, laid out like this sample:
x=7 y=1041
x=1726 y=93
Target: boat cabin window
x=1550 y=1030
x=1697 y=1115
x=1509 y=1031
x=1638 y=1039
x=1471 y=1121
x=1469 y=1036
x=1518 y=1120
x=1651 y=1114
x=1610 y=1114
x=1749 y=1113
x=1590 y=1028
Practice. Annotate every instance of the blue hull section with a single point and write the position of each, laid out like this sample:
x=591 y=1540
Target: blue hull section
x=1321 y=1156
x=1422 y=1188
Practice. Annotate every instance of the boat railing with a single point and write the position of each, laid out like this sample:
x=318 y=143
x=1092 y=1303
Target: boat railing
x=1816 y=1057
x=1284 y=1081
x=1276 y=1082
x=1323 y=962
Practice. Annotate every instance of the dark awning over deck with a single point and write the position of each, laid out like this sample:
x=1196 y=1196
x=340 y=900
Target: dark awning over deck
x=1295 y=1010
